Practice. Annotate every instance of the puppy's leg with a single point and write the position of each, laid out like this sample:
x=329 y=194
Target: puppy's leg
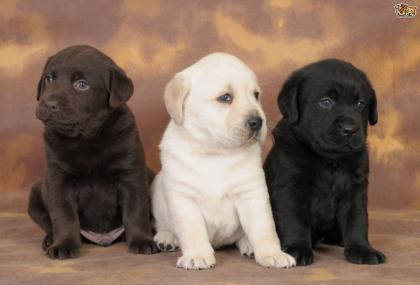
x=293 y=225
x=257 y=221
x=245 y=247
x=164 y=237
x=61 y=205
x=353 y=220
x=39 y=214
x=135 y=194
x=190 y=228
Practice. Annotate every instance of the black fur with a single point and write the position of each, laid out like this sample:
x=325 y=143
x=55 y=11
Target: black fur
x=317 y=171
x=96 y=175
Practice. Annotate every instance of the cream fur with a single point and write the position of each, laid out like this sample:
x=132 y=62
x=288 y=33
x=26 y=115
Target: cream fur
x=211 y=190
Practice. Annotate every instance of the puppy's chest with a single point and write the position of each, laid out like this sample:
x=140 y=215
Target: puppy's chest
x=98 y=204
x=328 y=190
x=221 y=219
x=217 y=205
x=94 y=167
x=215 y=185
x=213 y=178
x=87 y=163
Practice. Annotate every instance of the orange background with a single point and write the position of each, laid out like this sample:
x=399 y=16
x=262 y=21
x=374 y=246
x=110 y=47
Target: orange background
x=152 y=40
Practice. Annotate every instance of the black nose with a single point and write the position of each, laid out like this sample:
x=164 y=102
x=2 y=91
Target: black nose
x=348 y=129
x=51 y=105
x=255 y=123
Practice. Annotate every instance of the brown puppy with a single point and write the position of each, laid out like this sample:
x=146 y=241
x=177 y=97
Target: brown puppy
x=96 y=180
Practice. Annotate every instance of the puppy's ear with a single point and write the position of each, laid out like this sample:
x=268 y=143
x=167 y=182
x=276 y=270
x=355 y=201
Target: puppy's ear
x=120 y=87
x=175 y=93
x=373 y=112
x=288 y=98
x=41 y=81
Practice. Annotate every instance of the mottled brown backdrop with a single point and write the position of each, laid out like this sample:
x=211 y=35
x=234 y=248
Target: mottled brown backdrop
x=154 y=39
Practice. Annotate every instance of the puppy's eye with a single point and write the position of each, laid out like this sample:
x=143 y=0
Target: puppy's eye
x=361 y=105
x=326 y=103
x=256 y=95
x=225 y=98
x=81 y=85
x=49 y=78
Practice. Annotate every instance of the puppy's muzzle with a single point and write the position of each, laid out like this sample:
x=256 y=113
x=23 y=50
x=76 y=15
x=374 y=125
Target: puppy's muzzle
x=53 y=106
x=46 y=108
x=348 y=129
x=254 y=124
x=50 y=105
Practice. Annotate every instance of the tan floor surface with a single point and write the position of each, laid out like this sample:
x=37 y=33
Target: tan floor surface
x=396 y=233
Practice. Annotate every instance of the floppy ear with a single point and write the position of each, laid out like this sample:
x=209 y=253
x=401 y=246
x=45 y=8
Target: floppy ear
x=40 y=86
x=120 y=87
x=288 y=98
x=175 y=93
x=373 y=112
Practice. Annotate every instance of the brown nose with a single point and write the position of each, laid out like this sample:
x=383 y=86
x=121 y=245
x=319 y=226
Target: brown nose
x=51 y=105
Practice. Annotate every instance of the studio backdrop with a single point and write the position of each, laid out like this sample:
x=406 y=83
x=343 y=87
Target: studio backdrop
x=152 y=40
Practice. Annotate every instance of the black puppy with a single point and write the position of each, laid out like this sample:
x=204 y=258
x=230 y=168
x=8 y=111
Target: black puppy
x=317 y=170
x=96 y=181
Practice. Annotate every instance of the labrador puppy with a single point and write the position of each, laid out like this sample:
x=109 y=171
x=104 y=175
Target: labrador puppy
x=317 y=171
x=211 y=190
x=96 y=180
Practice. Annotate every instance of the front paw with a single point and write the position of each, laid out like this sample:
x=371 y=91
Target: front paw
x=245 y=247
x=166 y=241
x=64 y=250
x=276 y=260
x=302 y=253
x=196 y=262
x=142 y=247
x=363 y=255
x=47 y=242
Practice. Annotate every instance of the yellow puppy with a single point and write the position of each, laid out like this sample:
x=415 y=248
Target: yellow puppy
x=211 y=190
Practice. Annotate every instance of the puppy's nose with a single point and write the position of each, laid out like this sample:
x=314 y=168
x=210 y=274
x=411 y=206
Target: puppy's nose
x=51 y=105
x=348 y=129
x=255 y=123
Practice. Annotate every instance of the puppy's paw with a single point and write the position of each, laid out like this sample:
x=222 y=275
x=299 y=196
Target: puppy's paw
x=302 y=253
x=47 y=242
x=245 y=247
x=166 y=241
x=196 y=262
x=64 y=250
x=363 y=255
x=142 y=247
x=276 y=260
